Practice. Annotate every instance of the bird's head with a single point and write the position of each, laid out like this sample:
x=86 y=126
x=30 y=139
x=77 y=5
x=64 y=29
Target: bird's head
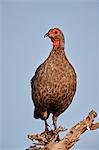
x=56 y=36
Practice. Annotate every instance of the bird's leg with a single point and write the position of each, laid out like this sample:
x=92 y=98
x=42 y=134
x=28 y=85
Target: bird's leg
x=54 y=118
x=46 y=126
x=45 y=116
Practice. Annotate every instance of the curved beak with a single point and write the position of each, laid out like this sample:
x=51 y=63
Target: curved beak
x=47 y=34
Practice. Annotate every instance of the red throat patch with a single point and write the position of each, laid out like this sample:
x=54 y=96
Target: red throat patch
x=56 y=43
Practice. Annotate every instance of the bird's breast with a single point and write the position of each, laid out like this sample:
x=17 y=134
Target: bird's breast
x=55 y=79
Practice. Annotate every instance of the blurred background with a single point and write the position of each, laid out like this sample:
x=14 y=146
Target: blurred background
x=23 y=24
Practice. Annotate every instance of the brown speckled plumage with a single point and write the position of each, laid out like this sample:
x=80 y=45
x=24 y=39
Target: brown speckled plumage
x=54 y=82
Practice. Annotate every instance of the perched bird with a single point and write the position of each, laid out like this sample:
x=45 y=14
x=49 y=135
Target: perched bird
x=54 y=83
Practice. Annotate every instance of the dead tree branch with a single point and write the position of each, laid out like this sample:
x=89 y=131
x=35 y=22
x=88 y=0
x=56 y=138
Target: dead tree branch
x=50 y=140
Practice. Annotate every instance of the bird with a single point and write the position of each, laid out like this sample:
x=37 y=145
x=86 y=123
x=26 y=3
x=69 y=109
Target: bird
x=54 y=83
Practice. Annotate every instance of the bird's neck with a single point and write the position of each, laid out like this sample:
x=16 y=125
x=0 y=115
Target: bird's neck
x=58 y=43
x=58 y=47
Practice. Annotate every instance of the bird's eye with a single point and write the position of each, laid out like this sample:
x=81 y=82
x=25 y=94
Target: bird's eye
x=56 y=32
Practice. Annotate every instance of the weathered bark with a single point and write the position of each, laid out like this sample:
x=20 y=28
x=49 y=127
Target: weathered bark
x=50 y=140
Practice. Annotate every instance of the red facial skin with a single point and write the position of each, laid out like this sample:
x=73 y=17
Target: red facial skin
x=56 y=43
x=52 y=35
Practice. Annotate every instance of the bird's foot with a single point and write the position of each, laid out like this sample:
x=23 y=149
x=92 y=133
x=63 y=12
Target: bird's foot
x=57 y=130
